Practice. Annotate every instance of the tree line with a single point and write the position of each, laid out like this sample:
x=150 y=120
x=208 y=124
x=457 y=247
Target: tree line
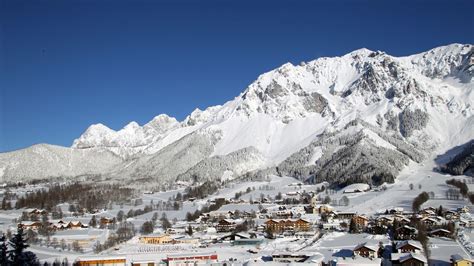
x=86 y=196
x=463 y=188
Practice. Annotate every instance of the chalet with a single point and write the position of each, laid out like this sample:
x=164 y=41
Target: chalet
x=406 y=232
x=360 y=220
x=429 y=221
x=289 y=257
x=427 y=212
x=408 y=259
x=366 y=250
x=459 y=260
x=191 y=259
x=76 y=225
x=235 y=236
x=101 y=260
x=464 y=209
x=324 y=208
x=156 y=239
x=104 y=221
x=409 y=246
x=37 y=212
x=451 y=215
x=301 y=225
x=297 y=225
x=342 y=215
x=34 y=225
x=440 y=233
x=401 y=219
x=227 y=225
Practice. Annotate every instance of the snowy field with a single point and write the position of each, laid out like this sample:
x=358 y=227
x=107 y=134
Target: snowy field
x=399 y=193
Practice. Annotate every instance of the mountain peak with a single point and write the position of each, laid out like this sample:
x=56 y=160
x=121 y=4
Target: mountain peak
x=363 y=108
x=99 y=129
x=360 y=52
x=327 y=90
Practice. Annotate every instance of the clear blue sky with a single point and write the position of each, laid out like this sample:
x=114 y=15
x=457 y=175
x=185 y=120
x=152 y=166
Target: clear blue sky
x=67 y=64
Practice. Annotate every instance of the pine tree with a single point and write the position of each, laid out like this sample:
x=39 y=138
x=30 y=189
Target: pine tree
x=353 y=227
x=165 y=223
x=190 y=230
x=440 y=211
x=4 y=203
x=120 y=216
x=18 y=255
x=45 y=229
x=147 y=228
x=3 y=250
x=93 y=222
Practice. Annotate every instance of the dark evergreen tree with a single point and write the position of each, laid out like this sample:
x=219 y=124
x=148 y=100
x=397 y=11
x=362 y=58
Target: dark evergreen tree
x=3 y=251
x=189 y=231
x=45 y=229
x=440 y=211
x=353 y=228
x=147 y=228
x=18 y=255
x=93 y=222
x=120 y=216
x=165 y=223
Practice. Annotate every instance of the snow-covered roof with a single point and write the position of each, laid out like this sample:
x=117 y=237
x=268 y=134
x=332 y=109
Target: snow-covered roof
x=440 y=230
x=458 y=257
x=98 y=257
x=416 y=256
x=315 y=258
x=180 y=255
x=288 y=220
x=412 y=243
x=358 y=260
x=156 y=235
x=371 y=246
x=356 y=187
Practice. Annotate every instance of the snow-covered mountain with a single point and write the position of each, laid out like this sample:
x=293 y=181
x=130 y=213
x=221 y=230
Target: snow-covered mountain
x=362 y=116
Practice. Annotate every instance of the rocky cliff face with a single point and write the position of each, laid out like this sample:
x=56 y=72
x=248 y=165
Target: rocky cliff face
x=362 y=116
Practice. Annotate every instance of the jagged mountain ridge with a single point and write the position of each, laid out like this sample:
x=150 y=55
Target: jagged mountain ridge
x=288 y=109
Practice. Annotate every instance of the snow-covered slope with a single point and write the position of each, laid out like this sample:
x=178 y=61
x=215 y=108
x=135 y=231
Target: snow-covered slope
x=44 y=161
x=403 y=108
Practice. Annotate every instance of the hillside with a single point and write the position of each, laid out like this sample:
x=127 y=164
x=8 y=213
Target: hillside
x=361 y=117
